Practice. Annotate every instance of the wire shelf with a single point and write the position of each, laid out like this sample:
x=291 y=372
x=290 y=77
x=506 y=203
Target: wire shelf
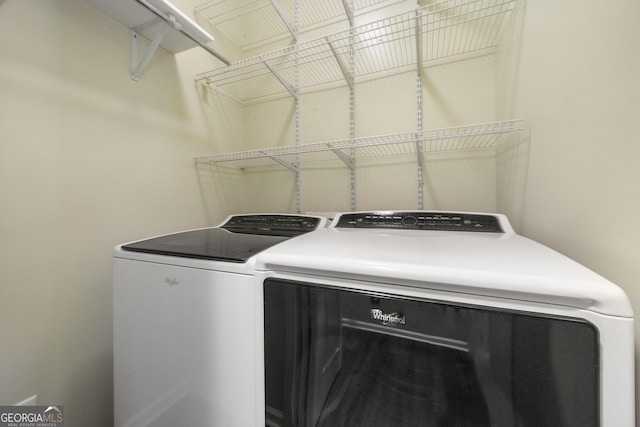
x=458 y=138
x=251 y=22
x=437 y=31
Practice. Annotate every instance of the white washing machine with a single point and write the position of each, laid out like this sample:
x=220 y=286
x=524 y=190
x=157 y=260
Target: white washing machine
x=438 y=319
x=184 y=322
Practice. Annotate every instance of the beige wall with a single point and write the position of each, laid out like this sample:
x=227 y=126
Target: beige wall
x=453 y=94
x=578 y=87
x=88 y=158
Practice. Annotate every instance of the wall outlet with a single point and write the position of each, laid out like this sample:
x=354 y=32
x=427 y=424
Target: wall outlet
x=29 y=401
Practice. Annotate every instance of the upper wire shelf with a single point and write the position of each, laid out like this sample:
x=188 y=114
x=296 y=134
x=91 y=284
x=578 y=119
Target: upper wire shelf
x=252 y=22
x=441 y=30
x=458 y=138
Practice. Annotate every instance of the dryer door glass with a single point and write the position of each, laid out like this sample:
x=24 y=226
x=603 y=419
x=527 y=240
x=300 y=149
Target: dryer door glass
x=344 y=358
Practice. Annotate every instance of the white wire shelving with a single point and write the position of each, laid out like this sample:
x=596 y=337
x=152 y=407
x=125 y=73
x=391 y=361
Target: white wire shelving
x=252 y=22
x=293 y=157
x=443 y=30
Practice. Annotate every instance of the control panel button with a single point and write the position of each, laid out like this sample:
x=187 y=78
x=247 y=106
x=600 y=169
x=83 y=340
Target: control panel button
x=409 y=220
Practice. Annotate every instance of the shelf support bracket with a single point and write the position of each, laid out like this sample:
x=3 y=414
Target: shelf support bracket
x=348 y=11
x=285 y=19
x=345 y=71
x=289 y=165
x=138 y=67
x=282 y=80
x=346 y=158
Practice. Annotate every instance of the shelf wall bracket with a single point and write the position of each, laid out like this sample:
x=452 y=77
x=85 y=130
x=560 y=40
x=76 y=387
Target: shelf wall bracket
x=349 y=11
x=291 y=89
x=345 y=71
x=285 y=19
x=346 y=158
x=138 y=67
x=293 y=167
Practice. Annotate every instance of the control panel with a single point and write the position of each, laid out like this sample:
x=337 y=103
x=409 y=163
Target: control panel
x=422 y=221
x=291 y=223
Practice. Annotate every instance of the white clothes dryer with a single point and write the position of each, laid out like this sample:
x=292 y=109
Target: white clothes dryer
x=434 y=319
x=184 y=323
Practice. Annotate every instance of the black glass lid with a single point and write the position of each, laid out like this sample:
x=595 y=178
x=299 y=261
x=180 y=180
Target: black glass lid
x=212 y=243
x=241 y=237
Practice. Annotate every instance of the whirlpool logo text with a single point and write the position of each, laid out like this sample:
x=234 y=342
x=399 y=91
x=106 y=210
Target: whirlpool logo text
x=388 y=319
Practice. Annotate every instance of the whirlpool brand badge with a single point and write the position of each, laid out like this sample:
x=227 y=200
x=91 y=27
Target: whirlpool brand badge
x=32 y=416
x=387 y=319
